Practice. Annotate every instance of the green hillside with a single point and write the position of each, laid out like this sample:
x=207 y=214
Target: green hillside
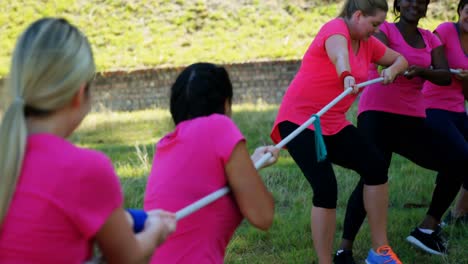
x=129 y=34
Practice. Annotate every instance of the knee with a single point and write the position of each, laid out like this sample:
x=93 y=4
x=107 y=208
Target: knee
x=375 y=173
x=325 y=197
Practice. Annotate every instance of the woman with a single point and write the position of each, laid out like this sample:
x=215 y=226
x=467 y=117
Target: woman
x=205 y=152
x=57 y=199
x=446 y=111
x=393 y=118
x=339 y=58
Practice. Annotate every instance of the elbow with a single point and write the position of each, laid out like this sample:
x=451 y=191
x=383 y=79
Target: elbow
x=262 y=217
x=263 y=222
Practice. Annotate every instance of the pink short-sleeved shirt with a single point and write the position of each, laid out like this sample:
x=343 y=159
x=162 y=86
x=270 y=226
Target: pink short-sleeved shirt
x=451 y=97
x=317 y=83
x=189 y=164
x=403 y=96
x=63 y=197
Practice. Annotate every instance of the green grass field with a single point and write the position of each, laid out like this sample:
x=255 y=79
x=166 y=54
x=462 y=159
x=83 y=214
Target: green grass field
x=130 y=34
x=129 y=138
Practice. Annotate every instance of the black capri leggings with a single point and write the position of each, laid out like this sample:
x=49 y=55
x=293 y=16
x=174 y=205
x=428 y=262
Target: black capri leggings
x=451 y=125
x=411 y=138
x=347 y=148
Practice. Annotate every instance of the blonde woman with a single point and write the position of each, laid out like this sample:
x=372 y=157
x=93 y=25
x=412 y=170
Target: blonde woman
x=338 y=58
x=57 y=199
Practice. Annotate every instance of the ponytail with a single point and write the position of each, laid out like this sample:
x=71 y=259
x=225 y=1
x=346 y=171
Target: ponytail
x=12 y=147
x=52 y=58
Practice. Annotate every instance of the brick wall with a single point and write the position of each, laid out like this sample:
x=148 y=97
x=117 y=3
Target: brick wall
x=148 y=88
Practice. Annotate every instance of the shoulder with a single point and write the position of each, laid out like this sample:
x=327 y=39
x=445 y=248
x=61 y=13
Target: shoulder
x=430 y=38
x=389 y=29
x=213 y=121
x=334 y=26
x=446 y=29
x=92 y=165
x=335 y=23
x=98 y=160
x=445 y=26
x=220 y=119
x=425 y=32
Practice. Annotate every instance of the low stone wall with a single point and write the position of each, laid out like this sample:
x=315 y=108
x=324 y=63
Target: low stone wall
x=141 y=89
x=148 y=88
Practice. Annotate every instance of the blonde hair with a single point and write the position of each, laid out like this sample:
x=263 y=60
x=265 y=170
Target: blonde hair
x=367 y=7
x=51 y=60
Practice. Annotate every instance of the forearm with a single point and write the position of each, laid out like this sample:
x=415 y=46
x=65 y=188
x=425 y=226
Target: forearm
x=341 y=63
x=146 y=246
x=437 y=76
x=400 y=65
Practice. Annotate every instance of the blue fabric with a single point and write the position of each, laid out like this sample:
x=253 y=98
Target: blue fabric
x=139 y=217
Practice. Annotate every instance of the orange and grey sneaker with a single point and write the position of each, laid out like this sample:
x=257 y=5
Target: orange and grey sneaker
x=384 y=255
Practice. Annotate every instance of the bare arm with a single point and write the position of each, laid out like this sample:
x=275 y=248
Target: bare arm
x=439 y=73
x=254 y=200
x=337 y=51
x=119 y=244
x=396 y=63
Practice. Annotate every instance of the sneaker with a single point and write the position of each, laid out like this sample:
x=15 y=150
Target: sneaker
x=450 y=219
x=432 y=243
x=344 y=256
x=384 y=254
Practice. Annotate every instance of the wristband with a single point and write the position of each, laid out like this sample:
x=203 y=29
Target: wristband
x=343 y=75
x=139 y=218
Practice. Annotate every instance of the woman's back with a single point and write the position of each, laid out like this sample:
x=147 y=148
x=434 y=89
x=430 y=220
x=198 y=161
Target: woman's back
x=189 y=164
x=63 y=197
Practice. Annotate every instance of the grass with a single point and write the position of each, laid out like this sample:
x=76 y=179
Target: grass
x=129 y=138
x=130 y=34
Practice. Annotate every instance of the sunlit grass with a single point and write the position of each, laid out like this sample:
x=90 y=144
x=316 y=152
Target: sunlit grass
x=131 y=34
x=129 y=138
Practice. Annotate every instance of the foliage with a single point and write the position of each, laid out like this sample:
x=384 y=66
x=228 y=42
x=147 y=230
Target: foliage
x=129 y=34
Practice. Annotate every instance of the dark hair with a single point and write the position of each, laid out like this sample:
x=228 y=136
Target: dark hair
x=367 y=7
x=396 y=6
x=201 y=89
x=461 y=5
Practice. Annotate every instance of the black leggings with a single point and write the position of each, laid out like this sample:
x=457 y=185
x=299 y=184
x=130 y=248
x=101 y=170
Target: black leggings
x=451 y=125
x=411 y=138
x=348 y=149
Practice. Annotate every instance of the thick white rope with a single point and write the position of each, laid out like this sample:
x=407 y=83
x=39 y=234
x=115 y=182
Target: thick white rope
x=221 y=192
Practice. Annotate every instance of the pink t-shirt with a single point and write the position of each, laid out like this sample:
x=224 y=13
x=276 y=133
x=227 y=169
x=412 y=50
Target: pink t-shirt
x=189 y=164
x=403 y=96
x=317 y=83
x=451 y=97
x=63 y=197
